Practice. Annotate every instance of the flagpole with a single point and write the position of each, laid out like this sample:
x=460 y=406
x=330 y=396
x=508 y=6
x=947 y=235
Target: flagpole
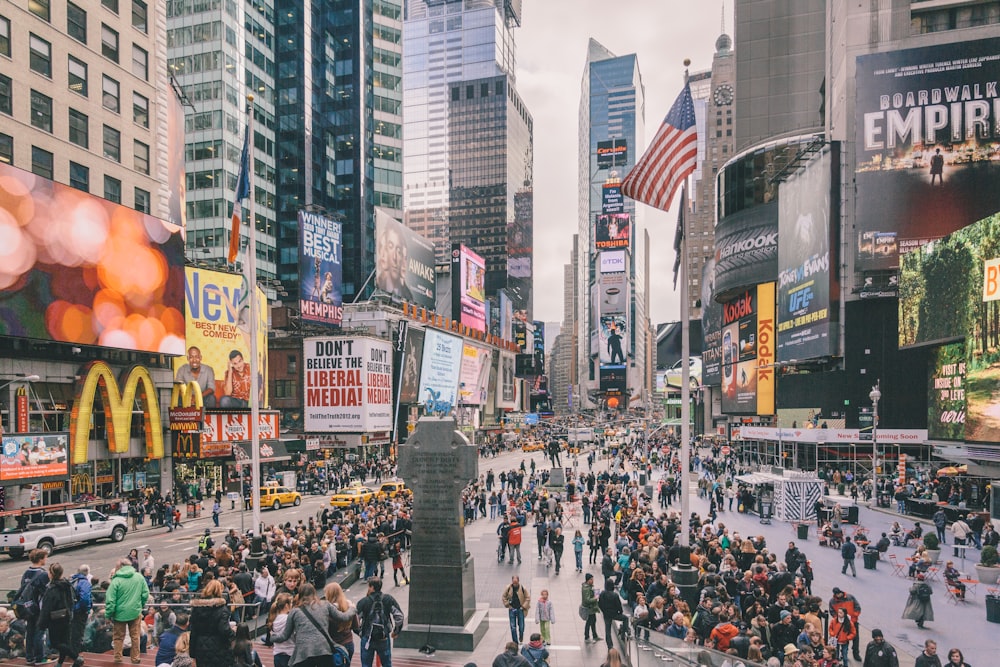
x=685 y=372
x=251 y=270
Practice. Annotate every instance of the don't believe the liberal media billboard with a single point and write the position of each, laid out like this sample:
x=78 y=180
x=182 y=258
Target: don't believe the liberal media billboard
x=348 y=385
x=320 y=269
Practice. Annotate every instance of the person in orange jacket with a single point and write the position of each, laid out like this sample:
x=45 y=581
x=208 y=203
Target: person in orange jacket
x=514 y=540
x=843 y=629
x=853 y=609
x=723 y=633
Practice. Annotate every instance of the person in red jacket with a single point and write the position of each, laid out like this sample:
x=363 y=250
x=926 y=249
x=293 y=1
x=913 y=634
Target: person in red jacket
x=723 y=633
x=843 y=630
x=514 y=541
x=851 y=605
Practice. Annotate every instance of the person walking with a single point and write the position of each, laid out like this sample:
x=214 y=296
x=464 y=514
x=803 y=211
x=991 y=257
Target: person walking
x=380 y=619
x=510 y=657
x=56 y=614
x=27 y=603
x=918 y=605
x=843 y=631
x=928 y=657
x=517 y=600
x=545 y=614
x=940 y=523
x=610 y=605
x=81 y=608
x=535 y=652
x=558 y=543
x=588 y=604
x=848 y=551
x=853 y=609
x=879 y=652
x=216 y=511
x=123 y=604
x=514 y=540
x=956 y=659
x=578 y=543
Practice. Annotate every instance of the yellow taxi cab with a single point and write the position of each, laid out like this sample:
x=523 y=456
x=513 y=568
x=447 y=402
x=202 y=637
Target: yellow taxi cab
x=276 y=497
x=351 y=495
x=391 y=489
x=533 y=446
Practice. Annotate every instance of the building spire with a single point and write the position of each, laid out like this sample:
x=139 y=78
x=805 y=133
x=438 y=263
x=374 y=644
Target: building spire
x=723 y=12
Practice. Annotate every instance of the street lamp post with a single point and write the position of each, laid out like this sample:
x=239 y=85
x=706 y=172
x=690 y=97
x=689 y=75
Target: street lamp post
x=26 y=378
x=875 y=395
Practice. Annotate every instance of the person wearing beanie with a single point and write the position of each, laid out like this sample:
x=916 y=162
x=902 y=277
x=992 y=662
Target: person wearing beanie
x=879 y=652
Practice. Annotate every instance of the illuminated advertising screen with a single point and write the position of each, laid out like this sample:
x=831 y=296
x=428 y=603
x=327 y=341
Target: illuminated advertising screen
x=348 y=385
x=613 y=339
x=404 y=261
x=218 y=347
x=413 y=355
x=613 y=380
x=927 y=147
x=946 y=393
x=474 y=374
x=507 y=396
x=439 y=371
x=468 y=287
x=806 y=261
x=521 y=334
x=711 y=327
x=538 y=346
x=613 y=261
x=34 y=456
x=612 y=153
x=746 y=248
x=613 y=230
x=612 y=200
x=80 y=269
x=614 y=293
x=320 y=269
x=748 y=347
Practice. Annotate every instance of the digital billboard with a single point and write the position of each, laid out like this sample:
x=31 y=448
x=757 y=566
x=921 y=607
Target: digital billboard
x=613 y=230
x=80 y=269
x=474 y=374
x=34 y=456
x=612 y=153
x=746 y=248
x=612 y=200
x=614 y=293
x=404 y=261
x=218 y=343
x=807 y=260
x=946 y=393
x=711 y=327
x=413 y=355
x=507 y=395
x=320 y=269
x=440 y=368
x=927 y=150
x=613 y=340
x=348 y=385
x=748 y=347
x=613 y=380
x=468 y=287
x=612 y=261
x=538 y=346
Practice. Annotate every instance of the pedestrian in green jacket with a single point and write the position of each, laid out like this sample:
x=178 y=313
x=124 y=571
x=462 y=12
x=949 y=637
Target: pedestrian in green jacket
x=123 y=605
x=588 y=603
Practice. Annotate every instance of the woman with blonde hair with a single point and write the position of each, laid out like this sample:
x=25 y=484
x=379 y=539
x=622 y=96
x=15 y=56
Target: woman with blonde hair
x=182 y=656
x=343 y=632
x=277 y=617
x=614 y=659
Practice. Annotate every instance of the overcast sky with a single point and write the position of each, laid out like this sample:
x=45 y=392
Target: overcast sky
x=551 y=52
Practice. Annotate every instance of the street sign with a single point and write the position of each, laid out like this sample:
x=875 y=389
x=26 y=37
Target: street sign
x=725 y=450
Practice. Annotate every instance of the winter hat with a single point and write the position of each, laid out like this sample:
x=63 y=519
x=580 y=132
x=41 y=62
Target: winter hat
x=785 y=614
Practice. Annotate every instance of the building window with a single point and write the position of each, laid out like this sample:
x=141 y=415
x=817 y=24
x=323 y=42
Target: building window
x=139 y=14
x=113 y=189
x=6 y=148
x=112 y=144
x=79 y=128
x=76 y=23
x=284 y=388
x=41 y=9
x=141 y=200
x=41 y=55
x=293 y=364
x=109 y=43
x=141 y=154
x=41 y=162
x=5 y=36
x=6 y=96
x=110 y=94
x=41 y=111
x=111 y=4
x=140 y=62
x=140 y=109
x=78 y=76
x=79 y=176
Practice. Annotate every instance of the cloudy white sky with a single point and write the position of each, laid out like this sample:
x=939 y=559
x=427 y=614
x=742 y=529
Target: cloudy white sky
x=551 y=51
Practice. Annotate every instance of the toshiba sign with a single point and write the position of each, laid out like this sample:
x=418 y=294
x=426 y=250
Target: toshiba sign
x=612 y=261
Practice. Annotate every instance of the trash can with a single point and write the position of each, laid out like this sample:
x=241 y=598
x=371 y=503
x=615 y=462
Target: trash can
x=993 y=608
x=871 y=559
x=803 y=531
x=193 y=510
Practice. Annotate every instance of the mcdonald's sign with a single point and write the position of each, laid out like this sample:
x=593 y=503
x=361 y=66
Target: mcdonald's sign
x=187 y=411
x=186 y=445
x=118 y=399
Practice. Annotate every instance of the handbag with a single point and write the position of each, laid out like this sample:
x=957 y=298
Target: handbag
x=339 y=655
x=59 y=614
x=584 y=613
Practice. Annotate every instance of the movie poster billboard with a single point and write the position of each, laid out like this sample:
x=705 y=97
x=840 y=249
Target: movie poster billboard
x=507 y=396
x=746 y=248
x=711 y=327
x=807 y=261
x=413 y=355
x=34 y=456
x=440 y=368
x=474 y=374
x=612 y=153
x=613 y=339
x=404 y=261
x=613 y=230
x=320 y=269
x=348 y=385
x=946 y=393
x=218 y=343
x=79 y=269
x=927 y=147
x=748 y=347
x=468 y=290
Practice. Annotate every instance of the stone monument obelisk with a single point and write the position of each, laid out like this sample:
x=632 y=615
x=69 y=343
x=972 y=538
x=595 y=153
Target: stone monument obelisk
x=437 y=462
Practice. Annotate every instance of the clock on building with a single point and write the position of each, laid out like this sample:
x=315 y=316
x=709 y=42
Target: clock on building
x=723 y=95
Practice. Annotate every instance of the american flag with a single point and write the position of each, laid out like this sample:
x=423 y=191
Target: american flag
x=671 y=157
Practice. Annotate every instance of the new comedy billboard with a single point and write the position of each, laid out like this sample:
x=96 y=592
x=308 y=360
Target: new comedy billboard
x=468 y=287
x=320 y=269
x=218 y=343
x=807 y=260
x=748 y=340
x=946 y=393
x=404 y=261
x=474 y=374
x=348 y=385
x=80 y=269
x=927 y=132
x=613 y=230
x=746 y=248
x=440 y=368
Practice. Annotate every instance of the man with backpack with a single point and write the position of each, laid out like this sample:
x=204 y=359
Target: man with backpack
x=28 y=602
x=81 y=608
x=380 y=619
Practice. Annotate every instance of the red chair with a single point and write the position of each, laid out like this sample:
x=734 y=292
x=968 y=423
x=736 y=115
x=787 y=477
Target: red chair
x=898 y=570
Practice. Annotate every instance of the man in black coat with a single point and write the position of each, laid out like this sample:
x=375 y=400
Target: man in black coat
x=610 y=605
x=879 y=652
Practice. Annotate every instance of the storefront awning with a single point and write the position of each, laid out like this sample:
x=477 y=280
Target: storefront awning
x=270 y=450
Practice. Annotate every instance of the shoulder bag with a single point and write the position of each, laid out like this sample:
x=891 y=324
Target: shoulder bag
x=339 y=655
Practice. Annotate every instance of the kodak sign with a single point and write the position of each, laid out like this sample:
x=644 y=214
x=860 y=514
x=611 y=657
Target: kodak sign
x=766 y=344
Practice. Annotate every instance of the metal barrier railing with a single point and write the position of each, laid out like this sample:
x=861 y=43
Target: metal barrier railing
x=640 y=651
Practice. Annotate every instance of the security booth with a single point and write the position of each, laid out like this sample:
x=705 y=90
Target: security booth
x=791 y=496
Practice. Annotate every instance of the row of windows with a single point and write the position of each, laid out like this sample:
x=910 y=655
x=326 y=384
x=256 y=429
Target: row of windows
x=77 y=17
x=985 y=13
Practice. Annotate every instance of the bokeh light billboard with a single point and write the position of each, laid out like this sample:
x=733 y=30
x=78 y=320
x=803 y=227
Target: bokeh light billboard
x=79 y=269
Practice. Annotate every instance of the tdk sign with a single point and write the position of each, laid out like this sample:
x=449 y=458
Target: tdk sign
x=612 y=261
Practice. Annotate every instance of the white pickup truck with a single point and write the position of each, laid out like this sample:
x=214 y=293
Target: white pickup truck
x=62 y=529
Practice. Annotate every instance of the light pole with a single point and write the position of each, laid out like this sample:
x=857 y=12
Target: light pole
x=875 y=394
x=26 y=378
